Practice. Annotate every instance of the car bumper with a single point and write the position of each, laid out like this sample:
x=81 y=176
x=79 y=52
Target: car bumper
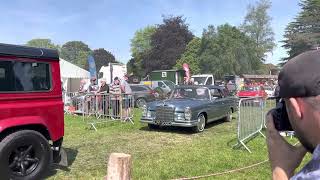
x=179 y=123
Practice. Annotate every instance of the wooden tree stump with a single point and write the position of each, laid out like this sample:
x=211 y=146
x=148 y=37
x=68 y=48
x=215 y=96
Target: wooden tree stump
x=119 y=167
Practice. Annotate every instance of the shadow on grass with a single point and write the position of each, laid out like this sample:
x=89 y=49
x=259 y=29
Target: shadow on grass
x=180 y=130
x=71 y=156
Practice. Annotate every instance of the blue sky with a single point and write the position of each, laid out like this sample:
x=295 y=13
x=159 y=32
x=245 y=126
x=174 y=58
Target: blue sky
x=110 y=24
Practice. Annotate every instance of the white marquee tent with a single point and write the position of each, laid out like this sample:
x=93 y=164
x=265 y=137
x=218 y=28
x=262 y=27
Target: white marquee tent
x=71 y=75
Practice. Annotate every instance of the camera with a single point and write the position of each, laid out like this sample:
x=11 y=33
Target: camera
x=280 y=117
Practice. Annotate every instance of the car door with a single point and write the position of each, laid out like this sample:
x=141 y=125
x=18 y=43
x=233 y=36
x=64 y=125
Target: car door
x=226 y=102
x=216 y=105
x=164 y=87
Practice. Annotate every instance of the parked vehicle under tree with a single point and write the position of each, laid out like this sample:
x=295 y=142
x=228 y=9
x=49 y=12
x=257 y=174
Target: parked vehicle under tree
x=190 y=106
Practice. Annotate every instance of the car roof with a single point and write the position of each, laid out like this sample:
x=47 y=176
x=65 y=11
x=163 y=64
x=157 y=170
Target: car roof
x=28 y=52
x=201 y=75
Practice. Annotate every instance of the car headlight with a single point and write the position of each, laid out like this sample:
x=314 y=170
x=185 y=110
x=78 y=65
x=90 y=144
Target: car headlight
x=149 y=115
x=144 y=110
x=187 y=113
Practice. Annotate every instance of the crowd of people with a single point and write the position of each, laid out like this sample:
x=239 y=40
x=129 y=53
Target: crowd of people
x=115 y=97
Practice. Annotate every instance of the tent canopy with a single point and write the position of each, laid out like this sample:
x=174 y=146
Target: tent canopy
x=69 y=70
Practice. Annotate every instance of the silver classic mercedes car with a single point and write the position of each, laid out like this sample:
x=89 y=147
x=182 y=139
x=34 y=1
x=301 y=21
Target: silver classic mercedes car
x=191 y=106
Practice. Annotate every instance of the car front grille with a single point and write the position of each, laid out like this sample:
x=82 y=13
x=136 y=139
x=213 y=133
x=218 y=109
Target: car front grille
x=164 y=114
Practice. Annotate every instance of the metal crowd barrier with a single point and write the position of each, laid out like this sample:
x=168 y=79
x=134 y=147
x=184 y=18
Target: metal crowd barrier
x=100 y=107
x=251 y=118
x=270 y=103
x=73 y=102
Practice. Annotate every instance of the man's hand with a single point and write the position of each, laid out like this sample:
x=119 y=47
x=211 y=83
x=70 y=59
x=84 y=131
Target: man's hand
x=284 y=158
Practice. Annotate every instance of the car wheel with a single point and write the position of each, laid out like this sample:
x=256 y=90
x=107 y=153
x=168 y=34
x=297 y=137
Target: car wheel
x=201 y=124
x=141 y=102
x=24 y=155
x=153 y=126
x=228 y=118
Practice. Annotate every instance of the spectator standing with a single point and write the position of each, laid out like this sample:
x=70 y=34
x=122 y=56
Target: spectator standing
x=115 y=93
x=126 y=89
x=103 y=96
x=93 y=86
x=83 y=86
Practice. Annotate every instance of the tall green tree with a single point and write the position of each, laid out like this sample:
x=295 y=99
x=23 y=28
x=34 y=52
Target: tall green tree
x=227 y=51
x=102 y=57
x=168 y=43
x=75 y=52
x=140 y=47
x=191 y=56
x=304 y=32
x=257 y=25
x=42 y=43
x=268 y=69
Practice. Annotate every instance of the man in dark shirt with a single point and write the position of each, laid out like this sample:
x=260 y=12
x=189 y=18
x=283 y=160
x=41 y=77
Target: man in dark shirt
x=103 y=97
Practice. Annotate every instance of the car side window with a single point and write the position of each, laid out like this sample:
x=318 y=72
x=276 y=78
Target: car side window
x=24 y=76
x=161 y=84
x=215 y=94
x=221 y=93
x=138 y=88
x=209 y=82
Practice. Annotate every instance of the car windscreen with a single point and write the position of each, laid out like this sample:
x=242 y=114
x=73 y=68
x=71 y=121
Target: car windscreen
x=268 y=88
x=170 y=84
x=199 y=80
x=200 y=93
x=250 y=88
x=139 y=88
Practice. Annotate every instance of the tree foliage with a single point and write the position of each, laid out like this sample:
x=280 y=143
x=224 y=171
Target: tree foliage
x=141 y=42
x=304 y=32
x=191 y=56
x=102 y=57
x=42 y=43
x=75 y=52
x=268 y=69
x=140 y=47
x=168 y=43
x=257 y=25
x=227 y=50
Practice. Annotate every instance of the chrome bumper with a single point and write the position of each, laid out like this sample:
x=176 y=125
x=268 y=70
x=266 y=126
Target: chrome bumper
x=179 y=123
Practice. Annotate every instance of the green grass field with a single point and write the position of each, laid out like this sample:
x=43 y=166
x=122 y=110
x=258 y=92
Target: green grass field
x=166 y=153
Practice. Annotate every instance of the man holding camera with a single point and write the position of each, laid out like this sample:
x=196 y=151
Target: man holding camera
x=299 y=82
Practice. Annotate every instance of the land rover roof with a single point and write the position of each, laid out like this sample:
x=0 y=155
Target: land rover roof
x=28 y=52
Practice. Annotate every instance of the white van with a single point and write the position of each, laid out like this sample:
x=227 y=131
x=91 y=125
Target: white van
x=203 y=79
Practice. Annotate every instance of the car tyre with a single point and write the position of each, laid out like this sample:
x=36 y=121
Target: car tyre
x=141 y=102
x=228 y=118
x=25 y=154
x=153 y=126
x=201 y=124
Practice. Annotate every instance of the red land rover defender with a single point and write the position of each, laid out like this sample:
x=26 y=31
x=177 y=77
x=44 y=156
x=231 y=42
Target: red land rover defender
x=31 y=111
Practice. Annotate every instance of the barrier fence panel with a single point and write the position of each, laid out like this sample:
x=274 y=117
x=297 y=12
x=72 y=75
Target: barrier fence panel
x=100 y=107
x=250 y=119
x=73 y=102
x=270 y=103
